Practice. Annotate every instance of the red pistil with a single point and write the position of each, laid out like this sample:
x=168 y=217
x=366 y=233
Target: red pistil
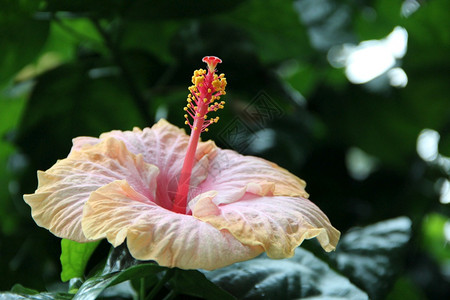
x=212 y=62
x=203 y=98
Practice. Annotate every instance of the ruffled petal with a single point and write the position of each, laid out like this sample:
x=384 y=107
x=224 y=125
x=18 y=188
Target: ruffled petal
x=82 y=141
x=117 y=211
x=63 y=189
x=278 y=224
x=165 y=146
x=232 y=175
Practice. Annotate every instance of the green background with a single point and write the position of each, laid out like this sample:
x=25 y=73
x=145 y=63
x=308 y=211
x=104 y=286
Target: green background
x=72 y=68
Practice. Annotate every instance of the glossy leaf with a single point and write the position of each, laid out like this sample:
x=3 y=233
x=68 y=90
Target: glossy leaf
x=302 y=276
x=372 y=256
x=119 y=259
x=194 y=283
x=74 y=257
x=19 y=292
x=20 y=289
x=95 y=285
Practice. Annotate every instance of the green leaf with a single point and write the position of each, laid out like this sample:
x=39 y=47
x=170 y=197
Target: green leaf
x=73 y=100
x=372 y=256
x=154 y=9
x=74 y=257
x=328 y=24
x=20 y=45
x=301 y=276
x=274 y=41
x=194 y=283
x=20 y=289
x=82 y=7
x=434 y=239
x=95 y=285
x=119 y=259
x=405 y=288
x=19 y=292
x=12 y=103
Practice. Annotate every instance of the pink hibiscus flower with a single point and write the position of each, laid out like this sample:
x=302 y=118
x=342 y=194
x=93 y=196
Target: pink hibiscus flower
x=176 y=200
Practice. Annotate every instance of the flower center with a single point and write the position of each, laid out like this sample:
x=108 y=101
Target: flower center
x=203 y=98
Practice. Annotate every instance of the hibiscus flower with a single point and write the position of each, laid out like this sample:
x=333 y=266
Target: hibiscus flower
x=175 y=199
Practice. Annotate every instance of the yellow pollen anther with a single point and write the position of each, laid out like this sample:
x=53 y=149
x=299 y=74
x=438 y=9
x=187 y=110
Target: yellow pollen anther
x=206 y=129
x=204 y=95
x=186 y=122
x=198 y=80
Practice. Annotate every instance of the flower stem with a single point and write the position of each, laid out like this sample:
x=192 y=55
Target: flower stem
x=171 y=295
x=160 y=284
x=142 y=289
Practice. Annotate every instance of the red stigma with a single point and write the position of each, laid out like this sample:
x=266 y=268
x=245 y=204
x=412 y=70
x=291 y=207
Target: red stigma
x=212 y=62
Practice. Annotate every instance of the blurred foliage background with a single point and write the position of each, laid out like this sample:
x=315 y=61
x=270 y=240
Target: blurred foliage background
x=351 y=96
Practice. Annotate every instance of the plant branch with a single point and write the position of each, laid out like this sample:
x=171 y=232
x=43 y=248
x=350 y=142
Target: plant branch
x=160 y=284
x=137 y=97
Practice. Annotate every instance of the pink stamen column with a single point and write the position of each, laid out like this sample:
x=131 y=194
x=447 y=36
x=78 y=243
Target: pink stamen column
x=201 y=100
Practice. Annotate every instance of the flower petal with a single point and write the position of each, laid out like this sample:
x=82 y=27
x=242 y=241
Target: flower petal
x=81 y=141
x=116 y=211
x=63 y=189
x=278 y=224
x=233 y=174
x=165 y=146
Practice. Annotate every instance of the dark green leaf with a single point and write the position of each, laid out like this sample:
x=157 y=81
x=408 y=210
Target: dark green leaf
x=20 y=45
x=194 y=283
x=20 y=289
x=434 y=238
x=328 y=24
x=154 y=9
x=42 y=296
x=74 y=257
x=274 y=41
x=302 y=276
x=119 y=259
x=83 y=8
x=73 y=100
x=95 y=285
x=75 y=284
x=372 y=256
x=12 y=103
